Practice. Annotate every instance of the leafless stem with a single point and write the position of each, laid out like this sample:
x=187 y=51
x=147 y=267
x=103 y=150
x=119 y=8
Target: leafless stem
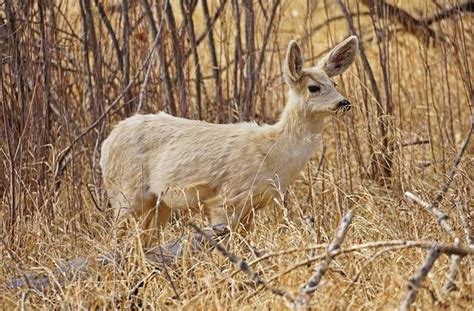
x=440 y=216
x=310 y=287
x=112 y=34
x=266 y=36
x=439 y=197
x=467 y=6
x=215 y=64
x=402 y=17
x=415 y=281
x=245 y=267
x=415 y=142
x=382 y=126
x=157 y=33
x=237 y=73
x=443 y=248
x=178 y=60
x=126 y=57
x=213 y=20
x=465 y=223
x=450 y=284
x=169 y=98
x=187 y=8
x=64 y=155
x=247 y=102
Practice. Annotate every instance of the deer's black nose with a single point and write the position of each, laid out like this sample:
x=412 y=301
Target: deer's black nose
x=344 y=104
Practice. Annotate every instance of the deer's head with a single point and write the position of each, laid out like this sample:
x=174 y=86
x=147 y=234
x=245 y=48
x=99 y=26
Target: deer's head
x=313 y=86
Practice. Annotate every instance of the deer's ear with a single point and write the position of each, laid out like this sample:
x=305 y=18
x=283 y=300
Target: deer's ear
x=340 y=57
x=293 y=67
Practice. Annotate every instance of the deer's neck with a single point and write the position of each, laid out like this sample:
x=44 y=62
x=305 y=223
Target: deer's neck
x=296 y=124
x=297 y=138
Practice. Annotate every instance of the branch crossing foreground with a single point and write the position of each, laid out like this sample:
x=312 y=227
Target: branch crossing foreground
x=208 y=238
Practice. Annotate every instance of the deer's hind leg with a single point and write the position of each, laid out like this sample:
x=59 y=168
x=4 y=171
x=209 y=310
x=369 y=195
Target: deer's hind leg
x=152 y=216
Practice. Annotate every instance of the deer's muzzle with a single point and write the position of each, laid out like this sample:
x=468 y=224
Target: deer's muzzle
x=344 y=105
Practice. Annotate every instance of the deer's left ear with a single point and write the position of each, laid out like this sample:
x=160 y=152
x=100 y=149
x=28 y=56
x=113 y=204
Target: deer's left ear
x=340 y=57
x=293 y=67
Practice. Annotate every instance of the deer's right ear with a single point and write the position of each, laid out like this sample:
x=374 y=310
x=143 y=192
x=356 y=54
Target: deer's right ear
x=293 y=68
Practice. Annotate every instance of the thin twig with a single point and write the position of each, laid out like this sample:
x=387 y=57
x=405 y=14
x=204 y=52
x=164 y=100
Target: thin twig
x=439 y=197
x=440 y=216
x=266 y=36
x=309 y=288
x=443 y=248
x=245 y=267
x=442 y=221
x=61 y=165
x=456 y=9
x=415 y=142
x=178 y=60
x=465 y=223
x=393 y=245
x=247 y=104
x=389 y=246
x=110 y=30
x=415 y=281
x=383 y=163
x=142 y=95
x=395 y=14
x=216 y=71
x=187 y=8
x=210 y=26
x=450 y=284
x=127 y=97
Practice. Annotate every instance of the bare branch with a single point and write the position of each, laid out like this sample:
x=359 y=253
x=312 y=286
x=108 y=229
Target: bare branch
x=381 y=164
x=216 y=72
x=187 y=8
x=465 y=223
x=245 y=267
x=395 y=14
x=157 y=33
x=62 y=162
x=396 y=244
x=457 y=159
x=440 y=216
x=310 y=287
x=110 y=30
x=178 y=60
x=247 y=102
x=266 y=36
x=467 y=6
x=126 y=57
x=415 y=281
x=450 y=284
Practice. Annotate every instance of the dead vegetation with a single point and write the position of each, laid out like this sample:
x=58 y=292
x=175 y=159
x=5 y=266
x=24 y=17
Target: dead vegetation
x=395 y=174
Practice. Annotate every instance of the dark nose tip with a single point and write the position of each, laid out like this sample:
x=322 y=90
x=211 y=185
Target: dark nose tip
x=344 y=104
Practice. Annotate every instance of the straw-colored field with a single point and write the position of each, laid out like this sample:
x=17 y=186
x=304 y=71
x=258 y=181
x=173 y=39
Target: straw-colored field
x=65 y=84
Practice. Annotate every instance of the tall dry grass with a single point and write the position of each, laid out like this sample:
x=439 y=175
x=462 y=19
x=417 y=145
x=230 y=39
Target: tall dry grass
x=71 y=70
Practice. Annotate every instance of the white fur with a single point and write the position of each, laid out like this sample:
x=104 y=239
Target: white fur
x=154 y=164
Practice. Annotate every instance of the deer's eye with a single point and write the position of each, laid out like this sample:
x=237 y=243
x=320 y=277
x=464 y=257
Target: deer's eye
x=314 y=88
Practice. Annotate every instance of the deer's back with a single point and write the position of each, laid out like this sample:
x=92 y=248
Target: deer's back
x=162 y=151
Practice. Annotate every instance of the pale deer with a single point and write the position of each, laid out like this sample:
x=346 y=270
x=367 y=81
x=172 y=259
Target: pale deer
x=155 y=164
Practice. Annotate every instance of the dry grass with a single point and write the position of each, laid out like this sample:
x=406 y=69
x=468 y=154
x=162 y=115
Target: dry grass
x=427 y=96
